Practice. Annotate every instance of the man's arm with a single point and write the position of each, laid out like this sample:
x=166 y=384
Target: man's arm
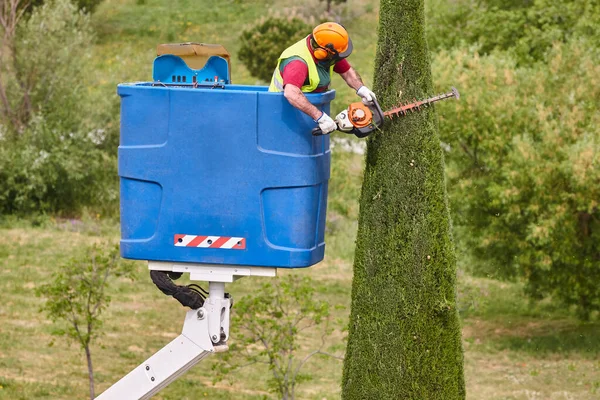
x=294 y=74
x=352 y=78
x=297 y=99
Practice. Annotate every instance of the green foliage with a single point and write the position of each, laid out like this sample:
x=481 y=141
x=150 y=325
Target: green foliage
x=524 y=140
x=267 y=327
x=77 y=295
x=52 y=170
x=88 y=6
x=526 y=28
x=525 y=179
x=46 y=71
x=404 y=334
x=262 y=44
x=52 y=157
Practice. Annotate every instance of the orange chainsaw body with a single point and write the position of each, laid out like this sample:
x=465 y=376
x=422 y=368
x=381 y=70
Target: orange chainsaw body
x=359 y=115
x=365 y=118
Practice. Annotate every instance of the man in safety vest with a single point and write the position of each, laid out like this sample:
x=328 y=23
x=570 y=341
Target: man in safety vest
x=305 y=67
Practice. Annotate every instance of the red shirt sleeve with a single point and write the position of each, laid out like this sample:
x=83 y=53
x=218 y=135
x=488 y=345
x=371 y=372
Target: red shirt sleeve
x=295 y=72
x=342 y=66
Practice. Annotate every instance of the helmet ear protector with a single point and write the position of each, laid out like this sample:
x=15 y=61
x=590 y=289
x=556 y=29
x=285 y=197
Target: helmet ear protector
x=323 y=53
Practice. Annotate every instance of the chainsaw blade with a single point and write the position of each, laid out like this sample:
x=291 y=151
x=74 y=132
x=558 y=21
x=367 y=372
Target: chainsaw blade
x=416 y=105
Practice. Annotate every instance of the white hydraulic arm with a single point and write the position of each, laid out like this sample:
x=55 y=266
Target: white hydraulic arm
x=205 y=331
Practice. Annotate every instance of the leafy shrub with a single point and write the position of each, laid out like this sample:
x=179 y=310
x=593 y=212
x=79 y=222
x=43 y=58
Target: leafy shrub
x=262 y=44
x=46 y=169
x=49 y=71
x=88 y=5
x=77 y=296
x=526 y=28
x=269 y=326
x=52 y=157
x=83 y=5
x=524 y=169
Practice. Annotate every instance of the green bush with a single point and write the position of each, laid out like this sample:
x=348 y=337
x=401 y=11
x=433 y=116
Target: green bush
x=269 y=328
x=262 y=44
x=526 y=28
x=88 y=5
x=83 y=5
x=77 y=295
x=525 y=176
x=53 y=170
x=49 y=72
x=53 y=156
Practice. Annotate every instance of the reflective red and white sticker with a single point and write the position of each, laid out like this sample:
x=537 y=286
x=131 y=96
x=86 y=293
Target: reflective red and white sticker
x=210 y=242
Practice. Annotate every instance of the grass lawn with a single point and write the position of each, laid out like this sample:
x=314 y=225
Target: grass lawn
x=512 y=350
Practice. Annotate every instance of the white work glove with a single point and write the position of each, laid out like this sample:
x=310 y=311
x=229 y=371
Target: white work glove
x=366 y=95
x=326 y=124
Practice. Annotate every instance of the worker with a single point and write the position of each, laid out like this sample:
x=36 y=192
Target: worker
x=305 y=67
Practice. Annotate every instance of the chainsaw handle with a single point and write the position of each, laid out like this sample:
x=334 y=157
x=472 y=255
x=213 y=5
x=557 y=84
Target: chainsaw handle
x=319 y=132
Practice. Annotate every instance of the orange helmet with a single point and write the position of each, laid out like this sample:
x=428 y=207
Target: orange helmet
x=331 y=39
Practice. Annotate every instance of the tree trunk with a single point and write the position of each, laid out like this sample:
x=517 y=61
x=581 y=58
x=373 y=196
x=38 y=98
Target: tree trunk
x=404 y=334
x=88 y=356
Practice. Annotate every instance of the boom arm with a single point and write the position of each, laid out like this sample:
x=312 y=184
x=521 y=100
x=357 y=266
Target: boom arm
x=168 y=363
x=205 y=331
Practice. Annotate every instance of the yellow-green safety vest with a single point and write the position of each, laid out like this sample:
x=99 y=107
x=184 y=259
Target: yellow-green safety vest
x=298 y=49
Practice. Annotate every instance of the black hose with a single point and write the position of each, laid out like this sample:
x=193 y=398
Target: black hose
x=187 y=296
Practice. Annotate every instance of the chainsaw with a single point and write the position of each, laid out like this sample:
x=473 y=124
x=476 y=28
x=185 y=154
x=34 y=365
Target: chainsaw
x=362 y=119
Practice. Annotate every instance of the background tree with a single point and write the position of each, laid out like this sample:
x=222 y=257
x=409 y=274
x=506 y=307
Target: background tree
x=524 y=169
x=77 y=295
x=527 y=29
x=268 y=326
x=44 y=64
x=404 y=334
x=87 y=6
x=53 y=155
x=11 y=12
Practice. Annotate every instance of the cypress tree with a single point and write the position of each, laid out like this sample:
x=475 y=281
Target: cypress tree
x=404 y=335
